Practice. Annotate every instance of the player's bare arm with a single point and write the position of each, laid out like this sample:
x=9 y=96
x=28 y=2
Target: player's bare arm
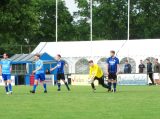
x=52 y=69
x=39 y=68
x=11 y=69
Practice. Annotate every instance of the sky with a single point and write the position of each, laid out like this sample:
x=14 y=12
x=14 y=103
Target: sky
x=71 y=6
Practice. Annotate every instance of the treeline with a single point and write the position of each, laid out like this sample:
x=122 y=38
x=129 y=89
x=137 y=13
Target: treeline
x=28 y=22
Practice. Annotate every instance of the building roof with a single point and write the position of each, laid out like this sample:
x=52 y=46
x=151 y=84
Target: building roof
x=29 y=58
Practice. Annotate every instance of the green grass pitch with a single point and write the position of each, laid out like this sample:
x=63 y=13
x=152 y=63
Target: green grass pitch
x=130 y=102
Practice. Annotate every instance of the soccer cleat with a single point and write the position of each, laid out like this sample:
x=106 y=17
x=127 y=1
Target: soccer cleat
x=45 y=91
x=58 y=89
x=69 y=89
x=32 y=91
x=11 y=92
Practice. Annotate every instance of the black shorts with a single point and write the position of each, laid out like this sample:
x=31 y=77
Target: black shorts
x=60 y=77
x=100 y=80
x=112 y=76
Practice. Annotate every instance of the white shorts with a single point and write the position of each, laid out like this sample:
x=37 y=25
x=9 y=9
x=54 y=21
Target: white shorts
x=156 y=76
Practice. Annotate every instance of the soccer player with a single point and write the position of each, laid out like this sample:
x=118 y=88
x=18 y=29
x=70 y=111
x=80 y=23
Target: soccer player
x=60 y=72
x=96 y=73
x=5 y=70
x=39 y=74
x=112 y=70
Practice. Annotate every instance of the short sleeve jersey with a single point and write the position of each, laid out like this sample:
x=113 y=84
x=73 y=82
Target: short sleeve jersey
x=112 y=64
x=38 y=64
x=60 y=67
x=6 y=65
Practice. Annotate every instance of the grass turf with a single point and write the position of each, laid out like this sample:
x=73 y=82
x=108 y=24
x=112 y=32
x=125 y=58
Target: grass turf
x=130 y=102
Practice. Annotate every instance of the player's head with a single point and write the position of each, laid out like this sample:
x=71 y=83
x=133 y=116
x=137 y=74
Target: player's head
x=91 y=63
x=58 y=57
x=148 y=61
x=37 y=56
x=112 y=53
x=5 y=56
x=141 y=61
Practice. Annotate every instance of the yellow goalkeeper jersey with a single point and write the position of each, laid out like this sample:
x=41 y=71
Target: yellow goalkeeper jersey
x=96 y=71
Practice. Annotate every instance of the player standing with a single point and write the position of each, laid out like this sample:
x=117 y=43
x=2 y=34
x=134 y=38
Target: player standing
x=39 y=74
x=112 y=70
x=60 y=72
x=5 y=70
x=96 y=73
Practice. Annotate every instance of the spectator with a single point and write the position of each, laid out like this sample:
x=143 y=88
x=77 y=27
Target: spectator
x=156 y=71
x=48 y=71
x=141 y=67
x=149 y=71
x=127 y=67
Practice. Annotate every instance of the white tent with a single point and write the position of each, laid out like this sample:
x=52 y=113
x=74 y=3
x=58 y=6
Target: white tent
x=72 y=52
x=150 y=47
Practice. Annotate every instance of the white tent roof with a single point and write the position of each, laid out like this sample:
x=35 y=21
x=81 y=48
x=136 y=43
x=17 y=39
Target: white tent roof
x=149 y=47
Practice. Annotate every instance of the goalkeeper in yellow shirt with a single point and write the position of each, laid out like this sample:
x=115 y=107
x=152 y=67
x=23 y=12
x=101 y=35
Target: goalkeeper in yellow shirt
x=96 y=73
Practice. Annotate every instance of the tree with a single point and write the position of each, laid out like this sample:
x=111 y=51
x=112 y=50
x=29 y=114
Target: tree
x=28 y=22
x=145 y=20
x=19 y=20
x=110 y=19
x=48 y=22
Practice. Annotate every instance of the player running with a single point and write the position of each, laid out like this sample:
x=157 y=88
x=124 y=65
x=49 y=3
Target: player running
x=39 y=74
x=60 y=72
x=112 y=70
x=96 y=73
x=5 y=70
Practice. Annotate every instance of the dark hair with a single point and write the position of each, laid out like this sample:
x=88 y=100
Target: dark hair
x=126 y=61
x=90 y=61
x=6 y=54
x=156 y=59
x=38 y=55
x=59 y=55
x=112 y=51
x=147 y=59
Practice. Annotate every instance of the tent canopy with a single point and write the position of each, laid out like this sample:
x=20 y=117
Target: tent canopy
x=147 y=47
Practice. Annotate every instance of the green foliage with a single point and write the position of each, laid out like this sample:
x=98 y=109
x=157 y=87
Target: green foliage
x=110 y=18
x=33 y=20
x=145 y=20
x=28 y=22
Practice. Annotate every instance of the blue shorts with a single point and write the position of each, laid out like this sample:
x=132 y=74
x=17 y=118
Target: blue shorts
x=40 y=77
x=6 y=77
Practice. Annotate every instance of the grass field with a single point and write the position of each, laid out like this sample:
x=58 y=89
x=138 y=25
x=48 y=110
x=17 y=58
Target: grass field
x=130 y=102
